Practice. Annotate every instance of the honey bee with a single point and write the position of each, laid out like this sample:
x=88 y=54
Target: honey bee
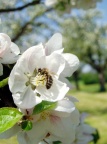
x=49 y=79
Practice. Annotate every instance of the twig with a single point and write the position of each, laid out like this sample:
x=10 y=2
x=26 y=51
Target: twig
x=21 y=7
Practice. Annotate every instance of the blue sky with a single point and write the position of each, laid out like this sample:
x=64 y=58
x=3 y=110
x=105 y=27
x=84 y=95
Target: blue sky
x=102 y=6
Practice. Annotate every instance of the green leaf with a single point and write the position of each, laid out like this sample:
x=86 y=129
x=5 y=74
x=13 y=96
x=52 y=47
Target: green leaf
x=26 y=125
x=96 y=136
x=56 y=142
x=8 y=118
x=3 y=82
x=44 y=105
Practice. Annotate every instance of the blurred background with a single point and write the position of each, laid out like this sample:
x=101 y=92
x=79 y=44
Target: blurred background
x=83 y=24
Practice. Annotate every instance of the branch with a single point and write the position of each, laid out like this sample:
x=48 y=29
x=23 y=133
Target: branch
x=24 y=27
x=21 y=7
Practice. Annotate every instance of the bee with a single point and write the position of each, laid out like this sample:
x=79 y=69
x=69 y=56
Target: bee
x=49 y=79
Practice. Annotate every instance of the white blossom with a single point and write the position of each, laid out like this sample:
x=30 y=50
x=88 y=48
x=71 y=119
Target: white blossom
x=83 y=132
x=60 y=122
x=82 y=4
x=35 y=78
x=9 y=51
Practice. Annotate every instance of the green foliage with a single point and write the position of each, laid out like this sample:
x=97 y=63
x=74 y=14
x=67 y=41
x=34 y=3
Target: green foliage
x=8 y=118
x=57 y=142
x=89 y=78
x=3 y=82
x=96 y=137
x=26 y=125
x=44 y=105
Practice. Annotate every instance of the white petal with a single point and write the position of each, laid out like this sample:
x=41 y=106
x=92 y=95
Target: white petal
x=75 y=117
x=14 y=48
x=38 y=131
x=55 y=43
x=5 y=43
x=63 y=129
x=10 y=132
x=17 y=80
x=1 y=69
x=88 y=129
x=64 y=108
x=30 y=59
x=50 y=2
x=65 y=80
x=55 y=63
x=23 y=138
x=57 y=91
x=10 y=56
x=71 y=65
x=27 y=99
x=73 y=99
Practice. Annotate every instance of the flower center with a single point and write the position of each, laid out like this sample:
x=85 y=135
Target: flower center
x=39 y=80
x=44 y=115
x=41 y=77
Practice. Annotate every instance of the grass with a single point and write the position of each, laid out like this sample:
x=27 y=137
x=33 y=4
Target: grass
x=95 y=104
x=92 y=102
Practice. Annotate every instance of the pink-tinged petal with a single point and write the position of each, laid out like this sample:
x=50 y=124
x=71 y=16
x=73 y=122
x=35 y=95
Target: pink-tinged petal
x=1 y=69
x=11 y=54
x=63 y=129
x=55 y=43
x=55 y=63
x=27 y=99
x=57 y=91
x=5 y=43
x=10 y=132
x=71 y=64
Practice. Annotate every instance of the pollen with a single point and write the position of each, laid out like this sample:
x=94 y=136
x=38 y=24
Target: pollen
x=44 y=115
x=39 y=80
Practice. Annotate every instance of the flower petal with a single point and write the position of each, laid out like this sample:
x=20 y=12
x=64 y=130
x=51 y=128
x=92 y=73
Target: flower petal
x=38 y=131
x=17 y=80
x=55 y=43
x=27 y=99
x=71 y=64
x=75 y=117
x=65 y=80
x=64 y=108
x=11 y=54
x=23 y=138
x=55 y=93
x=31 y=59
x=10 y=132
x=63 y=129
x=5 y=43
x=55 y=63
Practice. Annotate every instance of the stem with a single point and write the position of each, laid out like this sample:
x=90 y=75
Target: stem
x=45 y=141
x=4 y=82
